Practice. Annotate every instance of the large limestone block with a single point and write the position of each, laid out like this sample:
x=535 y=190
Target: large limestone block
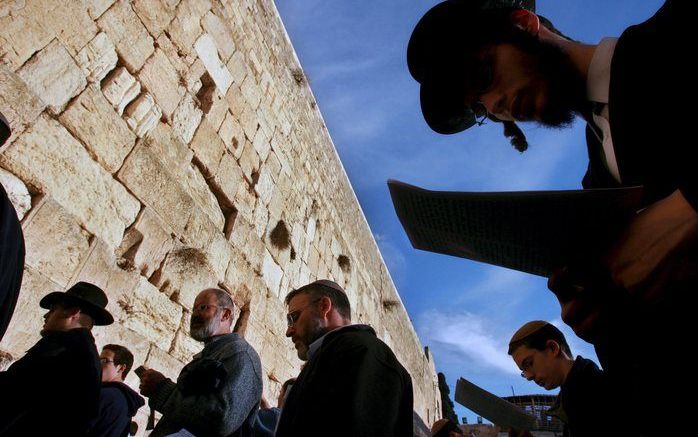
x=184 y=347
x=185 y=28
x=55 y=243
x=199 y=190
x=159 y=76
x=70 y=22
x=27 y=320
x=120 y=88
x=165 y=143
x=92 y=119
x=18 y=103
x=100 y=268
x=228 y=178
x=232 y=135
x=202 y=234
x=160 y=359
x=132 y=41
x=208 y=53
x=155 y=14
x=97 y=7
x=220 y=31
x=22 y=31
x=17 y=192
x=184 y=274
x=148 y=178
x=98 y=57
x=50 y=159
x=53 y=76
x=251 y=91
x=186 y=119
x=237 y=65
x=142 y=114
x=146 y=243
x=150 y=313
x=271 y=273
x=208 y=147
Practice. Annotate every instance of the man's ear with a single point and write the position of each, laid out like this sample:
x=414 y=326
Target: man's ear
x=120 y=368
x=553 y=346
x=325 y=306
x=526 y=21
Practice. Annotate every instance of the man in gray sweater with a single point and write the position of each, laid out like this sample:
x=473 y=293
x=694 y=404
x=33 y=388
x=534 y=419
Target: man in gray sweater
x=218 y=392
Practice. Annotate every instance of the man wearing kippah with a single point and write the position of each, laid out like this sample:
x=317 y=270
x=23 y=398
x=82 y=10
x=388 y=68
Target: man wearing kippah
x=540 y=350
x=351 y=385
x=478 y=60
x=54 y=388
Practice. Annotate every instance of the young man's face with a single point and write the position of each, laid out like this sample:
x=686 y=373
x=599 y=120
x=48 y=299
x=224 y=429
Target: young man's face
x=542 y=367
x=111 y=372
x=537 y=84
x=57 y=319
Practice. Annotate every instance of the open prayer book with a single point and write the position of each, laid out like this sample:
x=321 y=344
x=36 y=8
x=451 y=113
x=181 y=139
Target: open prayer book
x=530 y=231
x=493 y=408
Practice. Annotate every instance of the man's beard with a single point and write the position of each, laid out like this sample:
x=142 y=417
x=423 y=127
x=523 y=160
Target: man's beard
x=565 y=88
x=205 y=329
x=316 y=330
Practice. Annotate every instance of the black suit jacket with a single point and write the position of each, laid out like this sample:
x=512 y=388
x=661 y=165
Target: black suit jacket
x=352 y=386
x=651 y=110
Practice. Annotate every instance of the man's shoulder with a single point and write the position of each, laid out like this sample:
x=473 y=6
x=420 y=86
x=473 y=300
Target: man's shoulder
x=232 y=347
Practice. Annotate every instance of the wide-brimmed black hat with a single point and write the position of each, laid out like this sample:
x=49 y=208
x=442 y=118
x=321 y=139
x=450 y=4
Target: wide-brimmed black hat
x=437 y=51
x=88 y=297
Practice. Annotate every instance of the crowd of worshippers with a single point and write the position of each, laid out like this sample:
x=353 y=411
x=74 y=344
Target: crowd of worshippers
x=64 y=387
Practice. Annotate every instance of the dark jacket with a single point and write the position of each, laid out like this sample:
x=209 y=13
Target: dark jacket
x=53 y=389
x=118 y=403
x=583 y=404
x=11 y=260
x=352 y=386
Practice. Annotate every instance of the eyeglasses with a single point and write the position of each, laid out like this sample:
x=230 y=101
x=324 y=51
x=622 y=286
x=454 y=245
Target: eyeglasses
x=483 y=78
x=105 y=361
x=293 y=316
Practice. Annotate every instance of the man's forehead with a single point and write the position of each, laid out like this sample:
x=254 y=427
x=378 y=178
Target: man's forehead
x=106 y=353
x=297 y=301
x=521 y=353
x=206 y=296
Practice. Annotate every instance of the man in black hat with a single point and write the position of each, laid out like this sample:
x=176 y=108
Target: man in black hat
x=352 y=383
x=54 y=388
x=496 y=59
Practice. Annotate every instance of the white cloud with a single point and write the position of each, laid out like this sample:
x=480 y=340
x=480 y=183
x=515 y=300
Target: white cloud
x=466 y=337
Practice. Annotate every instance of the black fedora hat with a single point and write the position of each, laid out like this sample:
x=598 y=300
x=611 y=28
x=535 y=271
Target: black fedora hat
x=88 y=297
x=436 y=57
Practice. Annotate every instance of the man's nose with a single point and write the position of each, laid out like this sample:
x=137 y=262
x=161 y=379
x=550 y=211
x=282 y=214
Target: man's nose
x=495 y=103
x=290 y=331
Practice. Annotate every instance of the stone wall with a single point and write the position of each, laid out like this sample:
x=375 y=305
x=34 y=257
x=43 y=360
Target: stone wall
x=164 y=146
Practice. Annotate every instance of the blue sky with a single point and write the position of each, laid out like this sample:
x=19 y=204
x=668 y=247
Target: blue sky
x=353 y=53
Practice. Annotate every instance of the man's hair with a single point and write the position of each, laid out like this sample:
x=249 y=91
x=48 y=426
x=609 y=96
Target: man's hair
x=538 y=339
x=223 y=298
x=121 y=356
x=85 y=320
x=339 y=299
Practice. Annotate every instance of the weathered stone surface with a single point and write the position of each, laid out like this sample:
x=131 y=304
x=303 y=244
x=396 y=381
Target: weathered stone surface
x=151 y=181
x=70 y=22
x=164 y=143
x=208 y=147
x=271 y=273
x=162 y=361
x=218 y=110
x=184 y=347
x=159 y=76
x=27 y=319
x=132 y=41
x=142 y=114
x=249 y=160
x=202 y=234
x=208 y=53
x=220 y=32
x=265 y=185
x=228 y=177
x=17 y=192
x=251 y=92
x=145 y=243
x=184 y=274
x=97 y=7
x=22 y=32
x=55 y=243
x=150 y=313
x=53 y=76
x=237 y=65
x=92 y=119
x=120 y=88
x=46 y=156
x=18 y=103
x=186 y=119
x=232 y=135
x=97 y=58
x=155 y=14
x=262 y=144
x=185 y=28
x=199 y=191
